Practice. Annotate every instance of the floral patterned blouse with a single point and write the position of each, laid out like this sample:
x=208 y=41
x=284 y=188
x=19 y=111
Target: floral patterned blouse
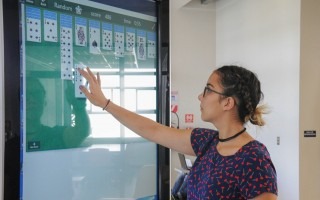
x=244 y=175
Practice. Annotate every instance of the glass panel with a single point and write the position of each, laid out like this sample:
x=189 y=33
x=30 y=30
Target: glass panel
x=104 y=126
x=140 y=70
x=73 y=149
x=140 y=81
x=130 y=100
x=146 y=100
x=110 y=80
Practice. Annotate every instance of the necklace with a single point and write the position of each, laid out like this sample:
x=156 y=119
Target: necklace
x=232 y=137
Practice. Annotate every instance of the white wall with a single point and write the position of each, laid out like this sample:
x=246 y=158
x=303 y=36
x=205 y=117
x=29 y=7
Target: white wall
x=192 y=56
x=192 y=59
x=264 y=36
x=1 y=102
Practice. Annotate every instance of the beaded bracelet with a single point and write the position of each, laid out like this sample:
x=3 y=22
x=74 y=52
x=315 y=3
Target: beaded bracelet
x=105 y=107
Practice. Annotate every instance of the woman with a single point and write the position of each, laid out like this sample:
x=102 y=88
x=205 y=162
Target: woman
x=230 y=164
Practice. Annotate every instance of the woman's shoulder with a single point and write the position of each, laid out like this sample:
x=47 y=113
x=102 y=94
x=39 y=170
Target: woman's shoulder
x=254 y=149
x=202 y=137
x=256 y=146
x=203 y=134
x=204 y=131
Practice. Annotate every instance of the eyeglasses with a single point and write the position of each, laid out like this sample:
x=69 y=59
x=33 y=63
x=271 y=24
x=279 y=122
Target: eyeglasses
x=207 y=89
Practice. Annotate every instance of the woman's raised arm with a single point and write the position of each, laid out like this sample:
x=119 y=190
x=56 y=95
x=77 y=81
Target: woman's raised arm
x=177 y=139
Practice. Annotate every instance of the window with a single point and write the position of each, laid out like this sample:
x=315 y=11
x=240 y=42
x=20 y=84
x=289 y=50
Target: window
x=134 y=89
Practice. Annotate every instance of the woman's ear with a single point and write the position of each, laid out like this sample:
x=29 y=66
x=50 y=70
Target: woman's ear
x=229 y=103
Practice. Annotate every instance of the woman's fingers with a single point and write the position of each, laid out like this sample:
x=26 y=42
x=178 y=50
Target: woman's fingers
x=85 y=91
x=85 y=75
x=91 y=75
x=98 y=79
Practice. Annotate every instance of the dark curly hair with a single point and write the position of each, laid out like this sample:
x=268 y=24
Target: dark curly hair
x=244 y=86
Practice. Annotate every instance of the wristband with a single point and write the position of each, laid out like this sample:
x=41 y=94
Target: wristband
x=105 y=107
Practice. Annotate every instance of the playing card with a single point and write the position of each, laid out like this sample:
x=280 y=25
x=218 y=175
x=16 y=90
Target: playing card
x=66 y=48
x=79 y=80
x=151 y=44
x=94 y=37
x=107 y=36
x=119 y=40
x=141 y=44
x=81 y=31
x=50 y=26
x=130 y=39
x=33 y=23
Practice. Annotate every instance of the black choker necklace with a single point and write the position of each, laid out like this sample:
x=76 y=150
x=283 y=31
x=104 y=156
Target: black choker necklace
x=232 y=137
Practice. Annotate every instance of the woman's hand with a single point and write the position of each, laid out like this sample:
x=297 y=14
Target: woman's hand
x=94 y=94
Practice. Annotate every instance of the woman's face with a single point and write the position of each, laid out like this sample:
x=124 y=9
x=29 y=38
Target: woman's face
x=211 y=99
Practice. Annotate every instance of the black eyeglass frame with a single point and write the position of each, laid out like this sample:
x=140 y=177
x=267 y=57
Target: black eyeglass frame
x=206 y=88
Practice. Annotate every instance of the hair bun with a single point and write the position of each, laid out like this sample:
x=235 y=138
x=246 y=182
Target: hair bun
x=256 y=116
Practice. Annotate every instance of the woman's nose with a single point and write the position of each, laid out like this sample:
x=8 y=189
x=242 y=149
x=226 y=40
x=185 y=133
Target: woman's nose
x=200 y=96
